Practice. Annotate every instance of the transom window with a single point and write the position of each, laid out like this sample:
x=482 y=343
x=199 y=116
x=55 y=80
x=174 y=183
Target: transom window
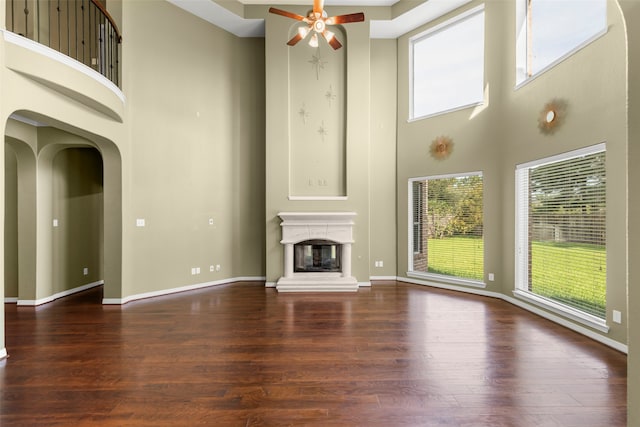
x=547 y=31
x=446 y=232
x=447 y=66
x=561 y=258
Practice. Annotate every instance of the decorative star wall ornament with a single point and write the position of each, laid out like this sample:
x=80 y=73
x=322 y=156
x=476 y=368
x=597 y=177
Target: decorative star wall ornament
x=317 y=63
x=304 y=114
x=330 y=95
x=322 y=131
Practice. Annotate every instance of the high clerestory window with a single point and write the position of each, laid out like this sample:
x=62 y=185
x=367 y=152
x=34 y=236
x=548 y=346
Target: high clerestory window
x=548 y=31
x=447 y=66
x=561 y=252
x=446 y=231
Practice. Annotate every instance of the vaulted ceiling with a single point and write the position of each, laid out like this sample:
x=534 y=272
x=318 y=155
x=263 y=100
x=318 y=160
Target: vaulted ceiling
x=389 y=18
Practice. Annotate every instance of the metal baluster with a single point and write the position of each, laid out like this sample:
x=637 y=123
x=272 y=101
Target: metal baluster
x=59 y=38
x=68 y=6
x=83 y=46
x=13 y=16
x=36 y=32
x=26 y=18
x=110 y=53
x=91 y=31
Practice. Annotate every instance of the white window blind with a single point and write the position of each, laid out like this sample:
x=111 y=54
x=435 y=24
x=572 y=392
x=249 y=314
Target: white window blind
x=561 y=230
x=446 y=230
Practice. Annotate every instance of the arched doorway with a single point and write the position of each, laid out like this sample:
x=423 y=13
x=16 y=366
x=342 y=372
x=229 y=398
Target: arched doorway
x=65 y=190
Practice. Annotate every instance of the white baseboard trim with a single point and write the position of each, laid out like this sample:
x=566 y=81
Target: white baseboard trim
x=623 y=348
x=382 y=278
x=364 y=284
x=3 y=353
x=28 y=302
x=145 y=295
x=11 y=300
x=270 y=284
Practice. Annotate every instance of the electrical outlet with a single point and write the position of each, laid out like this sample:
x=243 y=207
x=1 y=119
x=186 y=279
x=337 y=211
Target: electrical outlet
x=193 y=271
x=617 y=316
x=55 y=222
x=211 y=268
x=140 y=222
x=85 y=271
x=217 y=267
x=210 y=221
x=491 y=277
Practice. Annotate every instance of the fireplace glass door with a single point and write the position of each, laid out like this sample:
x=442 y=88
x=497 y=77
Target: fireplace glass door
x=317 y=256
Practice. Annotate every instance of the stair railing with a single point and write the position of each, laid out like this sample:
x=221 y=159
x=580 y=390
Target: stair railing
x=80 y=29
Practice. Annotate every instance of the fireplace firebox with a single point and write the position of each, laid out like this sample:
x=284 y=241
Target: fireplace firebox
x=317 y=256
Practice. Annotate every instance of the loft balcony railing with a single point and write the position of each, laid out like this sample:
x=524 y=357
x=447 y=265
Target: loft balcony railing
x=80 y=29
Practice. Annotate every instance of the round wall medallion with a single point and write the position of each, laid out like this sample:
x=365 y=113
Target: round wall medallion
x=552 y=116
x=441 y=147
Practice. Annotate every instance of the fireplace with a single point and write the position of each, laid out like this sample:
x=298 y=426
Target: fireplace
x=317 y=252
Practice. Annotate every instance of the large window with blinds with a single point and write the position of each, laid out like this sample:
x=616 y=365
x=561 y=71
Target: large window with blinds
x=561 y=258
x=445 y=231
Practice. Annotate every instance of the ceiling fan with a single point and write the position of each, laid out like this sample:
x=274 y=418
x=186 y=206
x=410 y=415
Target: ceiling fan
x=318 y=21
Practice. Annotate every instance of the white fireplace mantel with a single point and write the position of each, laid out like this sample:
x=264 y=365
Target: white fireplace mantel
x=301 y=226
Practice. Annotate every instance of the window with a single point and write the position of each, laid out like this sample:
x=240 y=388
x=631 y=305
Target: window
x=548 y=31
x=561 y=258
x=446 y=226
x=447 y=66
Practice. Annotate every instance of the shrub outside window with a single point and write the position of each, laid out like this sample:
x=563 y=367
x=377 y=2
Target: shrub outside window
x=446 y=230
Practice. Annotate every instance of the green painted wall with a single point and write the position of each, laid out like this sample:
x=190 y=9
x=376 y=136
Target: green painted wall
x=10 y=223
x=631 y=9
x=78 y=207
x=383 y=157
x=195 y=114
x=495 y=138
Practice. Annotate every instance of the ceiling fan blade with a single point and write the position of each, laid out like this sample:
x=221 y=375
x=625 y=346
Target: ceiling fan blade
x=331 y=39
x=317 y=6
x=295 y=39
x=345 y=19
x=287 y=14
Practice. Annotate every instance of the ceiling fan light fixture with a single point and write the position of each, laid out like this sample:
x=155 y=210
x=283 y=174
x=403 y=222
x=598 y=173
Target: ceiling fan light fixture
x=317 y=20
x=303 y=31
x=313 y=42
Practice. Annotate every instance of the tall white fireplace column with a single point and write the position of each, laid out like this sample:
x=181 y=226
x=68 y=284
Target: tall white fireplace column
x=328 y=226
x=288 y=260
x=346 y=260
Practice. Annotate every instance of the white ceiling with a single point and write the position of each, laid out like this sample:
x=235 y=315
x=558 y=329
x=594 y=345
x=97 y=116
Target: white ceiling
x=326 y=3
x=421 y=14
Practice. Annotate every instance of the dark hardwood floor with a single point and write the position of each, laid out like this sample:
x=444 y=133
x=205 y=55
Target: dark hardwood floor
x=244 y=355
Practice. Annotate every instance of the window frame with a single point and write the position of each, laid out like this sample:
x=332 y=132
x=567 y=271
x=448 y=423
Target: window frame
x=454 y=280
x=523 y=46
x=456 y=20
x=521 y=240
